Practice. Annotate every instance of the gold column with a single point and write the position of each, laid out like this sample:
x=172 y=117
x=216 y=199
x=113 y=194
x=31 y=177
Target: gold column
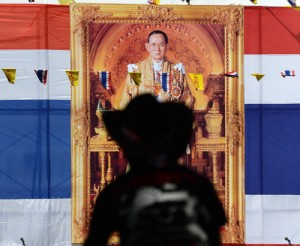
x=109 y=172
x=215 y=178
x=101 y=155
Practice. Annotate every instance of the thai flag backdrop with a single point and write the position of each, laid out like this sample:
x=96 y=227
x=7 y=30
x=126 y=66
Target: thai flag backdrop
x=35 y=168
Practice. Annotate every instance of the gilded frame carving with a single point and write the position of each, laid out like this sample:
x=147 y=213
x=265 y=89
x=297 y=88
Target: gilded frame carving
x=230 y=18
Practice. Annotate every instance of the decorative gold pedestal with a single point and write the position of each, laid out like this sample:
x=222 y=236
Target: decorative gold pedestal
x=213 y=146
x=100 y=144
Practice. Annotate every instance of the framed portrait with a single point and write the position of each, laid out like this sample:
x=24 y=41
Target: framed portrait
x=205 y=51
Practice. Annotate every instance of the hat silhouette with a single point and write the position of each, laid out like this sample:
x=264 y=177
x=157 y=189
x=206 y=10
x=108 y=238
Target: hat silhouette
x=147 y=123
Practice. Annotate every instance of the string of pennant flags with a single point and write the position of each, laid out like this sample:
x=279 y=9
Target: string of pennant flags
x=259 y=76
x=105 y=77
x=291 y=2
x=10 y=74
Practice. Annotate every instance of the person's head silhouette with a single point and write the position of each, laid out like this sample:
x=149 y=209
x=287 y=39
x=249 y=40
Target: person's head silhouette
x=152 y=132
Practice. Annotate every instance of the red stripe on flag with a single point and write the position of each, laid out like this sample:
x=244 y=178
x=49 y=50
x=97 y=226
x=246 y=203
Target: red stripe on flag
x=26 y=26
x=268 y=30
x=272 y=30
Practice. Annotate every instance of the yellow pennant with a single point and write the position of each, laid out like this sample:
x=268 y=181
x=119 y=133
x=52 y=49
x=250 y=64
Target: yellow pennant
x=65 y=2
x=10 y=74
x=254 y=1
x=258 y=76
x=155 y=2
x=136 y=77
x=73 y=76
x=197 y=79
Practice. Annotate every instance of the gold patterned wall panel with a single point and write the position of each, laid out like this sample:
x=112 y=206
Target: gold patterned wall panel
x=207 y=40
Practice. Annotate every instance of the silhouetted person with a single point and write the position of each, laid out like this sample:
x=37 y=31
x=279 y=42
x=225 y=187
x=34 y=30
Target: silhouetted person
x=158 y=202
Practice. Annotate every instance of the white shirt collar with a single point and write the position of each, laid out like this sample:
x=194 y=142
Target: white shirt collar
x=157 y=66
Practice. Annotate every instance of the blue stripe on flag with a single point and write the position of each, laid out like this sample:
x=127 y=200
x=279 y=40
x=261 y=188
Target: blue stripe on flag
x=35 y=149
x=272 y=153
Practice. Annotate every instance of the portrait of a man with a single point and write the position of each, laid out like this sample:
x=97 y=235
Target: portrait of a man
x=159 y=76
x=163 y=56
x=125 y=52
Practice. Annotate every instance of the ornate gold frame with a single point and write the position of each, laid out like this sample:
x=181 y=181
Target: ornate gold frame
x=231 y=17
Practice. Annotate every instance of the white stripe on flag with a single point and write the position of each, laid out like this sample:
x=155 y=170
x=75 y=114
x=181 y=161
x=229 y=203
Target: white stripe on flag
x=271 y=218
x=27 y=85
x=272 y=88
x=42 y=222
